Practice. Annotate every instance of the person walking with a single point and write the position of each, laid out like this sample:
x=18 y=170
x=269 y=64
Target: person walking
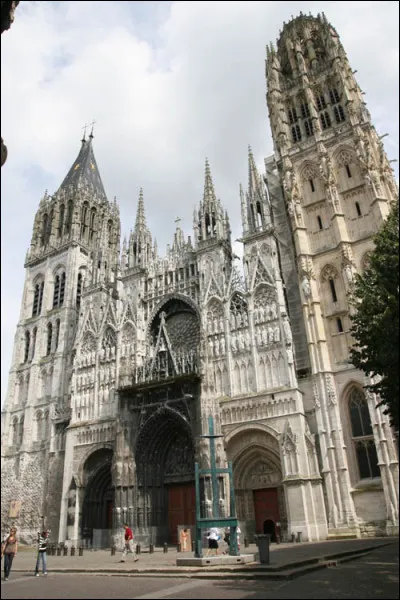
x=213 y=538
x=129 y=546
x=9 y=549
x=42 y=553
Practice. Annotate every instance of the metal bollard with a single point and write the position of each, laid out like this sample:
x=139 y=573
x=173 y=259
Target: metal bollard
x=278 y=538
x=293 y=538
x=299 y=534
x=72 y=550
x=65 y=551
x=151 y=549
x=58 y=550
x=113 y=549
x=193 y=545
x=165 y=548
x=246 y=542
x=179 y=547
x=80 y=550
x=137 y=548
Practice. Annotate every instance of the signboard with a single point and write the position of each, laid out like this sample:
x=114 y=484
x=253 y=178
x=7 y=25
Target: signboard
x=15 y=509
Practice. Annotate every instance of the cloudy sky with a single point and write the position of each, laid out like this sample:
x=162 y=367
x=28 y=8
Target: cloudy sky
x=168 y=84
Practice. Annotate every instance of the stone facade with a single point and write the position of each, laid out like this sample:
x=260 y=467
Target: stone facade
x=121 y=357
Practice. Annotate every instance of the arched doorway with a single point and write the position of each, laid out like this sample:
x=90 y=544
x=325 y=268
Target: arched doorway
x=269 y=529
x=165 y=474
x=98 y=499
x=258 y=480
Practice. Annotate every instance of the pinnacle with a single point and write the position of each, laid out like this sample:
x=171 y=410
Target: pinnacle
x=209 y=196
x=140 y=224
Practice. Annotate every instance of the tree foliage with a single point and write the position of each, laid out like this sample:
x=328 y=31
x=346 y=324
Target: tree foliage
x=375 y=326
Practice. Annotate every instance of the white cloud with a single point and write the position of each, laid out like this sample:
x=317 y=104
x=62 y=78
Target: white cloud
x=168 y=85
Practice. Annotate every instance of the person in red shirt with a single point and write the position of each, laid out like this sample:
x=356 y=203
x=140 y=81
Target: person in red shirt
x=129 y=545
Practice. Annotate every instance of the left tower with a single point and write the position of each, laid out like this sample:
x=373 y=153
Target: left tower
x=75 y=238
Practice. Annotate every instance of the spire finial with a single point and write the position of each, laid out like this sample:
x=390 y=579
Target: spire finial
x=83 y=140
x=209 y=196
x=92 y=124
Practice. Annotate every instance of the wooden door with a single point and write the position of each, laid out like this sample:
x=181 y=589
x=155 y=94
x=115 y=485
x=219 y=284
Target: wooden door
x=265 y=507
x=181 y=508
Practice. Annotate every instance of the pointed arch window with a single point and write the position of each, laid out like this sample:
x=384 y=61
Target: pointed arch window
x=59 y=290
x=325 y=120
x=44 y=229
x=296 y=133
x=57 y=336
x=34 y=335
x=49 y=338
x=362 y=435
x=27 y=345
x=20 y=431
x=14 y=432
x=85 y=220
x=61 y=221
x=79 y=291
x=70 y=210
x=38 y=299
x=92 y=226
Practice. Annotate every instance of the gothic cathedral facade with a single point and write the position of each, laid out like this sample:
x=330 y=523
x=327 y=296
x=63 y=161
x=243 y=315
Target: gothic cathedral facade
x=120 y=357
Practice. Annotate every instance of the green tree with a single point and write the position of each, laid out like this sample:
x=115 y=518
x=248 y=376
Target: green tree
x=375 y=325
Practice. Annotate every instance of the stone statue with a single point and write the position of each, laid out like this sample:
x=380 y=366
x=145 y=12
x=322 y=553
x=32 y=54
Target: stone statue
x=348 y=273
x=238 y=320
x=306 y=287
x=211 y=347
x=216 y=347
x=222 y=345
x=288 y=332
x=245 y=319
x=221 y=324
x=233 y=344
x=256 y=314
x=277 y=334
x=264 y=336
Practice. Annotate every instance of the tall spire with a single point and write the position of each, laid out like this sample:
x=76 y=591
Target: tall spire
x=254 y=203
x=209 y=197
x=140 y=224
x=253 y=174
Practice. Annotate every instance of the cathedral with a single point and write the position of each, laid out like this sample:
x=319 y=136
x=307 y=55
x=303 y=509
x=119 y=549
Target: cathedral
x=121 y=355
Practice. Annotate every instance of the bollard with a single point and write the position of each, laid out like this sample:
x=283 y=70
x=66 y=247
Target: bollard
x=193 y=546
x=65 y=551
x=278 y=538
x=137 y=548
x=113 y=549
x=293 y=538
x=299 y=534
x=58 y=550
x=179 y=547
x=165 y=548
x=72 y=550
x=263 y=542
x=80 y=550
x=151 y=549
x=246 y=542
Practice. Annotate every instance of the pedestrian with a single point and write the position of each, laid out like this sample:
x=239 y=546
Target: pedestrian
x=9 y=549
x=213 y=538
x=129 y=546
x=42 y=552
x=227 y=540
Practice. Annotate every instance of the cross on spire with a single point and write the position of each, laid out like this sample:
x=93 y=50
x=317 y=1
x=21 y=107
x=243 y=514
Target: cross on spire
x=178 y=220
x=84 y=132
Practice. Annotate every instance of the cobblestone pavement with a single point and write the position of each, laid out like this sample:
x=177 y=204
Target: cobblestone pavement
x=374 y=576
x=281 y=555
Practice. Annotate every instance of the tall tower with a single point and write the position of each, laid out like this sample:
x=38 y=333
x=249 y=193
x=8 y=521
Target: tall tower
x=336 y=188
x=74 y=247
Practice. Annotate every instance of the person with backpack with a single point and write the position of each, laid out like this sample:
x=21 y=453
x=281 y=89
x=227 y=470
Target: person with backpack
x=9 y=549
x=42 y=552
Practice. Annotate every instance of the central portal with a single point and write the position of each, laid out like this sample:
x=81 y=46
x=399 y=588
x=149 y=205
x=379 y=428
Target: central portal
x=165 y=475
